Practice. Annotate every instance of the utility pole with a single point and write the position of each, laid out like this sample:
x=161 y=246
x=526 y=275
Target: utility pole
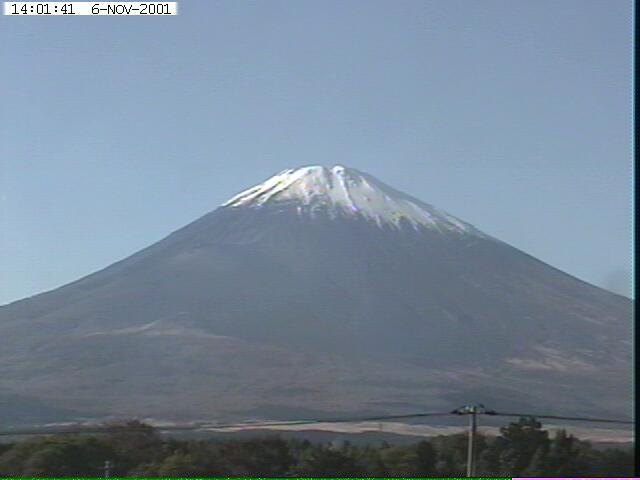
x=473 y=411
x=107 y=468
x=471 y=459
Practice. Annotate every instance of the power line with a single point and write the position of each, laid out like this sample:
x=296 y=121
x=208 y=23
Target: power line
x=260 y=424
x=479 y=409
x=335 y=420
x=213 y=426
x=473 y=410
x=559 y=417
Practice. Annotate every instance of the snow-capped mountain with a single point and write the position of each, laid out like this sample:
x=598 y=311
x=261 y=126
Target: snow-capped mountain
x=320 y=291
x=347 y=192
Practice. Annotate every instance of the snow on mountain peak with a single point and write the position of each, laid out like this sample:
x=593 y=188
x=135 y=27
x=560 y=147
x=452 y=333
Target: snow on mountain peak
x=347 y=191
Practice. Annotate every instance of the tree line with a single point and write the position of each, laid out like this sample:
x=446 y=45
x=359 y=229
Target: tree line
x=522 y=448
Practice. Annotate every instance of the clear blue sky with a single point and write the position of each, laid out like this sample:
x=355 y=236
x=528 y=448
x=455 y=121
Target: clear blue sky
x=512 y=115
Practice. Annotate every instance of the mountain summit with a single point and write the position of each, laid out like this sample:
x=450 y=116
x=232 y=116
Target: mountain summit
x=320 y=291
x=347 y=192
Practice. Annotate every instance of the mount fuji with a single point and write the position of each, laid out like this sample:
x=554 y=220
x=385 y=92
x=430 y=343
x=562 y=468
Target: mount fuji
x=320 y=291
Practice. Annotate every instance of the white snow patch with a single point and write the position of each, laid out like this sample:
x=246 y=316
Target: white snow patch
x=594 y=434
x=552 y=359
x=158 y=328
x=347 y=191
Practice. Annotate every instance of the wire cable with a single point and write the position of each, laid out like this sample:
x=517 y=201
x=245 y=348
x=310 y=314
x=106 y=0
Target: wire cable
x=212 y=426
x=559 y=417
x=204 y=427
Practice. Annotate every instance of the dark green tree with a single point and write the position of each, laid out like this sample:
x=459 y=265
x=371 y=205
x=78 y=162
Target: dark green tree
x=613 y=463
x=56 y=456
x=134 y=443
x=517 y=444
x=568 y=456
x=370 y=462
x=426 y=459
x=325 y=461
x=269 y=456
x=135 y=449
x=539 y=464
x=400 y=461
